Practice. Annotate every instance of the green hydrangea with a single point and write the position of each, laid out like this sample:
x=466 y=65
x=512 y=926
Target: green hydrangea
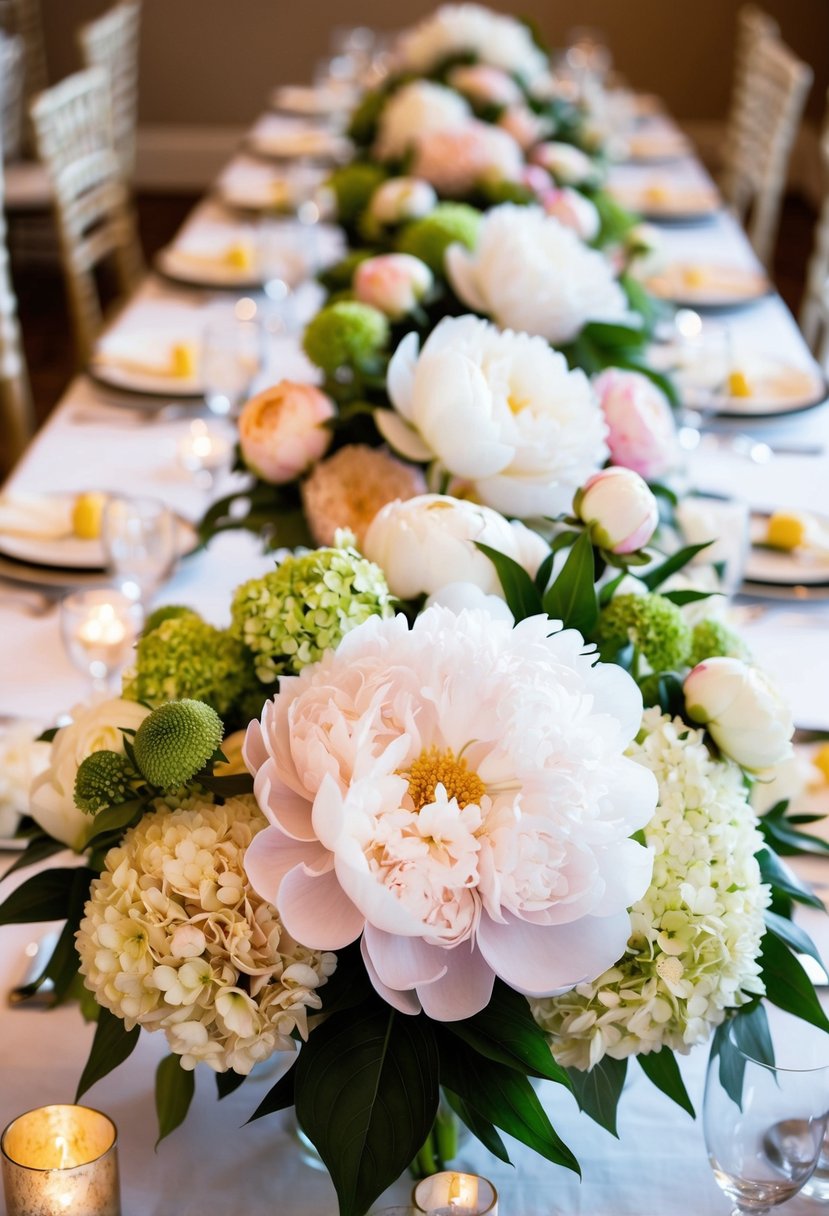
x=175 y=741
x=353 y=186
x=185 y=657
x=429 y=238
x=167 y=612
x=103 y=779
x=290 y=617
x=711 y=639
x=345 y=334
x=652 y=623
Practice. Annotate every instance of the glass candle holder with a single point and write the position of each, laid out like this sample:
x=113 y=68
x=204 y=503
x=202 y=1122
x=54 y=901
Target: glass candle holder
x=453 y=1194
x=61 y=1161
x=99 y=628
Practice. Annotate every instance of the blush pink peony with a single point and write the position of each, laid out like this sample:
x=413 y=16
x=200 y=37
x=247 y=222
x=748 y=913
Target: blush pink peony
x=641 y=431
x=456 y=160
x=283 y=431
x=455 y=795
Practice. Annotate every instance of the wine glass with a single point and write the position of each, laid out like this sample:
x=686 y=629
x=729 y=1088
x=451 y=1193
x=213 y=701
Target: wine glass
x=99 y=627
x=231 y=355
x=763 y=1149
x=139 y=536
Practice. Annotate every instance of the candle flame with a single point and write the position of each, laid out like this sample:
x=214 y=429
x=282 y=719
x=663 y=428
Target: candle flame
x=63 y=1148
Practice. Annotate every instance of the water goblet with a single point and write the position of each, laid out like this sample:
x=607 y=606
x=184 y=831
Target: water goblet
x=99 y=627
x=140 y=543
x=764 y=1148
x=231 y=355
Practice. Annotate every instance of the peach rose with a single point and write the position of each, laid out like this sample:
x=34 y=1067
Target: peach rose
x=282 y=431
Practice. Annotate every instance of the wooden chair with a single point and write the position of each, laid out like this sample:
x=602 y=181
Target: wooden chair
x=769 y=105
x=16 y=413
x=111 y=42
x=814 y=314
x=12 y=54
x=94 y=217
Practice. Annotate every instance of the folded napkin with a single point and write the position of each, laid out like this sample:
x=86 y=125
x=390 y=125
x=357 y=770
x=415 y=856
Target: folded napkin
x=148 y=355
x=39 y=516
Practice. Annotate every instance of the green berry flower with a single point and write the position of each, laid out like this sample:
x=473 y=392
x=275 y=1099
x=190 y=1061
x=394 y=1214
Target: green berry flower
x=713 y=639
x=345 y=334
x=293 y=615
x=103 y=779
x=353 y=186
x=167 y=612
x=185 y=657
x=175 y=741
x=652 y=624
x=430 y=237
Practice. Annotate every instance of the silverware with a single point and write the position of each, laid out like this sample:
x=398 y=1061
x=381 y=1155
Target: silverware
x=107 y=415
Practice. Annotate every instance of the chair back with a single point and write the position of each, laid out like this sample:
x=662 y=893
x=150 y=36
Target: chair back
x=93 y=213
x=16 y=413
x=111 y=42
x=26 y=21
x=764 y=130
x=12 y=65
x=814 y=313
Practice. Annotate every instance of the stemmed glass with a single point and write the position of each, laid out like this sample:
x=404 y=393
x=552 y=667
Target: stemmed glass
x=140 y=543
x=231 y=355
x=765 y=1148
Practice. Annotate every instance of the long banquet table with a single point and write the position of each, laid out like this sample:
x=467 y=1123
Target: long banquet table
x=213 y=1164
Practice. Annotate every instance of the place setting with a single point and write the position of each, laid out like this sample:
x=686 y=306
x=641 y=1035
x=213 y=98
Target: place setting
x=708 y=286
x=667 y=202
x=276 y=137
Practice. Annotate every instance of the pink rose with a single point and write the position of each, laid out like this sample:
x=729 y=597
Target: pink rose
x=282 y=431
x=619 y=509
x=642 y=434
x=394 y=283
x=455 y=161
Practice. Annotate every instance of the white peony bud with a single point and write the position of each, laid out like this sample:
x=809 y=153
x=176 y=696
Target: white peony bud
x=394 y=283
x=402 y=198
x=742 y=710
x=619 y=509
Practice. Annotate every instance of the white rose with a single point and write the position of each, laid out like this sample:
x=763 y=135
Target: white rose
x=21 y=759
x=428 y=542
x=529 y=272
x=93 y=728
x=416 y=110
x=742 y=710
x=402 y=198
x=499 y=410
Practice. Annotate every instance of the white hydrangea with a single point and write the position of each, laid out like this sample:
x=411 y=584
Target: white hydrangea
x=695 y=936
x=456 y=29
x=175 y=939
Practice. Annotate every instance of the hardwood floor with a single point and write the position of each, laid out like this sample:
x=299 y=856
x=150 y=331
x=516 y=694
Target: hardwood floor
x=45 y=324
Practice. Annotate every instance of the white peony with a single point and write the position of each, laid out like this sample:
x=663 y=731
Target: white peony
x=428 y=542
x=498 y=410
x=529 y=272
x=744 y=713
x=22 y=758
x=458 y=29
x=456 y=796
x=415 y=110
x=462 y=597
x=94 y=728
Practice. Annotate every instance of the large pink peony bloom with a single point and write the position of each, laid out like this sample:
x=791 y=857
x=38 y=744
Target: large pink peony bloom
x=457 y=794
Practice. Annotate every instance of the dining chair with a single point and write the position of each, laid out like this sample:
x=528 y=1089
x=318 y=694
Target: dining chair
x=768 y=107
x=16 y=413
x=814 y=311
x=27 y=24
x=111 y=42
x=93 y=212
x=11 y=94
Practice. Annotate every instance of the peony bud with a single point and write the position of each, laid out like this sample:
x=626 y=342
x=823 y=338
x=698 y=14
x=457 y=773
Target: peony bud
x=619 y=509
x=742 y=710
x=568 y=165
x=393 y=283
x=401 y=199
x=641 y=431
x=282 y=431
x=574 y=210
x=485 y=85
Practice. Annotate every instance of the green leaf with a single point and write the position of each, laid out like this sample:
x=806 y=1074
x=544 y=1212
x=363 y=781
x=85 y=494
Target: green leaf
x=349 y=986
x=542 y=575
x=680 y=598
x=112 y=1044
x=782 y=879
x=750 y=1031
x=521 y=593
x=174 y=1088
x=227 y=787
x=572 y=596
x=504 y=1097
x=114 y=818
x=654 y=578
x=662 y=1070
x=44 y=896
x=507 y=1032
x=279 y=1097
x=481 y=1129
x=227 y=1082
x=598 y=1091
x=787 y=984
x=795 y=938
x=62 y=967
x=785 y=839
x=366 y=1096
x=608 y=590
x=732 y=1063
x=38 y=849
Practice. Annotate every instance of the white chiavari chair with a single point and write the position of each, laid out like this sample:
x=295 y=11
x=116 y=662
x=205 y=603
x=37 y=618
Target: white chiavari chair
x=765 y=124
x=11 y=94
x=814 y=313
x=111 y=42
x=95 y=221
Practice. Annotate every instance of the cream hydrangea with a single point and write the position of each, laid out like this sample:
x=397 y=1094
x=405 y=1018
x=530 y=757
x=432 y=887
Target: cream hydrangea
x=175 y=939
x=416 y=110
x=530 y=272
x=458 y=29
x=695 y=936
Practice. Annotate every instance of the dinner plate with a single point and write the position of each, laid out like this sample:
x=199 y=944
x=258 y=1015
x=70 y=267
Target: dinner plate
x=798 y=568
x=709 y=285
x=123 y=363
x=284 y=143
x=777 y=389
x=195 y=270
x=70 y=553
x=310 y=102
x=670 y=205
x=646 y=147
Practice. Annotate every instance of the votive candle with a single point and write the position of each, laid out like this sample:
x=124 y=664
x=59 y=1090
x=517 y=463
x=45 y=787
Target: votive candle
x=61 y=1161
x=455 y=1194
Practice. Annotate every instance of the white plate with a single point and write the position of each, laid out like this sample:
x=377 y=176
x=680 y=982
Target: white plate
x=649 y=146
x=778 y=389
x=801 y=567
x=708 y=285
x=313 y=102
x=285 y=144
x=671 y=204
x=72 y=553
x=204 y=271
x=119 y=363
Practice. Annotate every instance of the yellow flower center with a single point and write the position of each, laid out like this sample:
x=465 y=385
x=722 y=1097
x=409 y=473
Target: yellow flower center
x=433 y=768
x=517 y=404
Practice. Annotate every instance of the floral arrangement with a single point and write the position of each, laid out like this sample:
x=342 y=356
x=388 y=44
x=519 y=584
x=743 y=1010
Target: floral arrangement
x=461 y=796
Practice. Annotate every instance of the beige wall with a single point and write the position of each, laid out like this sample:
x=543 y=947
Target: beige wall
x=215 y=61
